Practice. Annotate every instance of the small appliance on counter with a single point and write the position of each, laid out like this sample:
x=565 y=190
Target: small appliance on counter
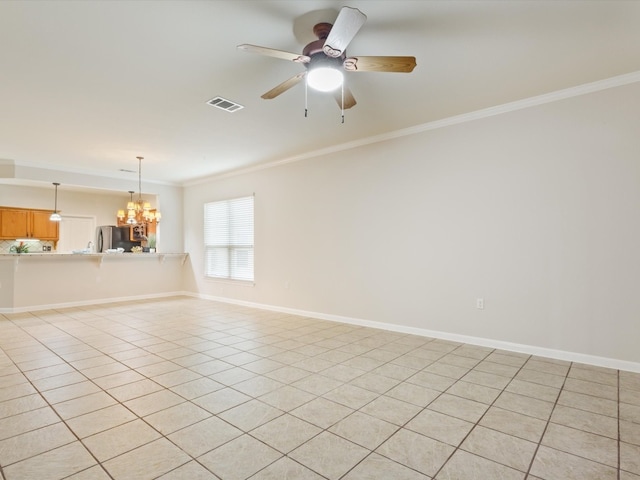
x=111 y=237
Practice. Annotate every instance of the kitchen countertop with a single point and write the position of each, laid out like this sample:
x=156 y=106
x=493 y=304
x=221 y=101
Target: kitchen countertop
x=98 y=257
x=69 y=254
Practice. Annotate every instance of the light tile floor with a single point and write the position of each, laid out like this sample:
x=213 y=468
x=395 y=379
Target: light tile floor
x=182 y=388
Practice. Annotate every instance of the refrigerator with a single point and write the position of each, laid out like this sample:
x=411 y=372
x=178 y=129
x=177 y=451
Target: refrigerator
x=110 y=237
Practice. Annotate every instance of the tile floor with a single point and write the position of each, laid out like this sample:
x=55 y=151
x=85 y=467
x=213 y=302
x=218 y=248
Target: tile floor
x=183 y=388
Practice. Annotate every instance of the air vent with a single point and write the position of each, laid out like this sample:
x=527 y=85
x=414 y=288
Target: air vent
x=224 y=104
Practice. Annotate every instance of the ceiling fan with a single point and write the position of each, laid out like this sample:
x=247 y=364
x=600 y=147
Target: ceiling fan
x=326 y=58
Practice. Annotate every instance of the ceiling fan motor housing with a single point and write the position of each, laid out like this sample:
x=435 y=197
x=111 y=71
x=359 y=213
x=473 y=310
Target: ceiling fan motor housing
x=320 y=60
x=321 y=30
x=315 y=50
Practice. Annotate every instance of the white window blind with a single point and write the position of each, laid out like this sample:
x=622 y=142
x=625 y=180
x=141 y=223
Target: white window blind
x=228 y=239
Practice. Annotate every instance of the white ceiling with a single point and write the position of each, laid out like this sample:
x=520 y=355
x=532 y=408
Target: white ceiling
x=89 y=85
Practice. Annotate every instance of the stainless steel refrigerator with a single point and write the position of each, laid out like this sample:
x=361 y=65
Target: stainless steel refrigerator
x=112 y=237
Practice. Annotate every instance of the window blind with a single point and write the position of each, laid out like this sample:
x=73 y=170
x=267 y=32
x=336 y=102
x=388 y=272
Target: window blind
x=228 y=239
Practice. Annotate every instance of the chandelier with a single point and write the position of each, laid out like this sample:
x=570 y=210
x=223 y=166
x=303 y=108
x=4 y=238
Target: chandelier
x=139 y=211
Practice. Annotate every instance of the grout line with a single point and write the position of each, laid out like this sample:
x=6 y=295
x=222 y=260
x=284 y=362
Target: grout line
x=555 y=404
x=243 y=323
x=480 y=419
x=62 y=420
x=102 y=390
x=619 y=428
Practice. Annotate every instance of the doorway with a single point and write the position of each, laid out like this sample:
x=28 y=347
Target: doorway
x=76 y=232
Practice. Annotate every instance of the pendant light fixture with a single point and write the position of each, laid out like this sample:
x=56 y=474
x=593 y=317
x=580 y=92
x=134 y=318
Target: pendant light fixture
x=55 y=216
x=139 y=211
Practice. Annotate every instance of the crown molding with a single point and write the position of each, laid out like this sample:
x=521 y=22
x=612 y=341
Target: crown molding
x=535 y=101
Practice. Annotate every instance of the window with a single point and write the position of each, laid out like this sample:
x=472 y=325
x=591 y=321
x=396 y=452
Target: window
x=228 y=239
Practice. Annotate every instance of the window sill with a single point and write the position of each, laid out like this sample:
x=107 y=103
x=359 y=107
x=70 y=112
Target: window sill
x=229 y=281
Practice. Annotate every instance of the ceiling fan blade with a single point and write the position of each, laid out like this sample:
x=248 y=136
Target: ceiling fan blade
x=295 y=57
x=284 y=86
x=380 y=64
x=344 y=29
x=349 y=101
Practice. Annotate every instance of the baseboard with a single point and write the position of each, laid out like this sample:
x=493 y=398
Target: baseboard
x=480 y=341
x=95 y=301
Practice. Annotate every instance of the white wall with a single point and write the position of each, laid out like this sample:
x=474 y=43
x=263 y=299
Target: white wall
x=102 y=206
x=537 y=211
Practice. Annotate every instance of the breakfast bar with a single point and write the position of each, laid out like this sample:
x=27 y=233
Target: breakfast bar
x=38 y=281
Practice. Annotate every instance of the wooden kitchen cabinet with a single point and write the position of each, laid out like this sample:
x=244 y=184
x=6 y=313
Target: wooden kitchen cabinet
x=42 y=228
x=14 y=223
x=27 y=223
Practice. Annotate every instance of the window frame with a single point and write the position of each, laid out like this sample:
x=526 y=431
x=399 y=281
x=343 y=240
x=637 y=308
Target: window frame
x=237 y=217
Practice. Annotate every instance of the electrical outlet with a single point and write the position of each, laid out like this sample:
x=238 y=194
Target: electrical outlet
x=480 y=303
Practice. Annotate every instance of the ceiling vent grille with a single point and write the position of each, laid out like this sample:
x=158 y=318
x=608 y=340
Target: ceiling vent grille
x=224 y=104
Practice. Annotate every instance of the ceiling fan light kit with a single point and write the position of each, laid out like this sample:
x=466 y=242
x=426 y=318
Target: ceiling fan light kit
x=324 y=73
x=324 y=79
x=325 y=59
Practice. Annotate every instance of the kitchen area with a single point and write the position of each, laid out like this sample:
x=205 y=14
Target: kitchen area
x=91 y=255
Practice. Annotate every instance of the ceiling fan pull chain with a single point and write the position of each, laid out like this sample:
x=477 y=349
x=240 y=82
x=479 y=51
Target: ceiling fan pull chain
x=306 y=105
x=342 y=106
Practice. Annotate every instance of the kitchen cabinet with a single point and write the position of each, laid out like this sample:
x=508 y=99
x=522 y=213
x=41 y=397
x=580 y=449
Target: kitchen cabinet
x=42 y=228
x=14 y=223
x=27 y=223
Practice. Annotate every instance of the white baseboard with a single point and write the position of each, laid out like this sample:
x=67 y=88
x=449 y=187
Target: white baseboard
x=483 y=342
x=96 y=301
